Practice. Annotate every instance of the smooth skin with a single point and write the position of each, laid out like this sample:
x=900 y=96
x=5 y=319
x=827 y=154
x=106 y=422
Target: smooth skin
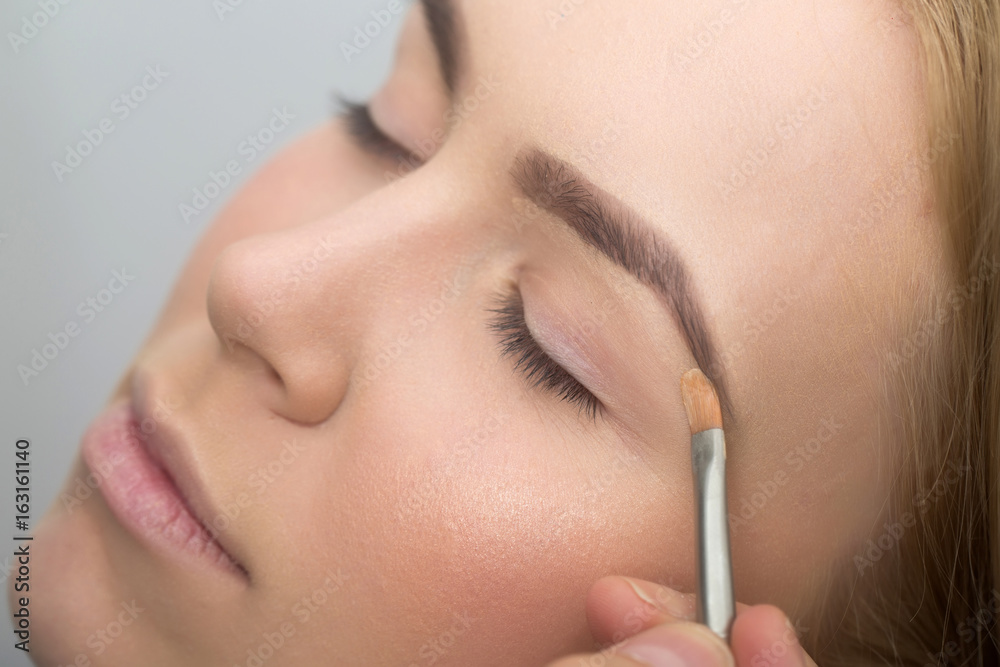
x=450 y=512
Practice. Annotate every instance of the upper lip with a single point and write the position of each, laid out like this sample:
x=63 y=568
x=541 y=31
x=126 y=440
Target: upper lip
x=169 y=450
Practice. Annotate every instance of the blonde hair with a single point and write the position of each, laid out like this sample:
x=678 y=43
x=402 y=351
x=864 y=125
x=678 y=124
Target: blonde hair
x=934 y=599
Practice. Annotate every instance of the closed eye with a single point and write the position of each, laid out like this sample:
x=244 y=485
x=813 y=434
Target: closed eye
x=531 y=361
x=369 y=137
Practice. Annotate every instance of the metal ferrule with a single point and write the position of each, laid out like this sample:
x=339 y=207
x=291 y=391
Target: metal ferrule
x=716 y=606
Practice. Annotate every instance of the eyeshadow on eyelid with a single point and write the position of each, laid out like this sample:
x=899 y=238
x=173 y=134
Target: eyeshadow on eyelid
x=533 y=362
x=565 y=348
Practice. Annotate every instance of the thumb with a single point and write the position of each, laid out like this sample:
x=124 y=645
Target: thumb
x=680 y=644
x=620 y=607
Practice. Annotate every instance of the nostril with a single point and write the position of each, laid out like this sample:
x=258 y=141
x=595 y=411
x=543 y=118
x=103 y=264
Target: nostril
x=312 y=389
x=277 y=329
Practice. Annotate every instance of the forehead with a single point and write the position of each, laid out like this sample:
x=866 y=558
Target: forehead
x=770 y=141
x=699 y=84
x=757 y=135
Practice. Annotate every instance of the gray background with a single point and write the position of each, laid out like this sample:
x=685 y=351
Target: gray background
x=60 y=241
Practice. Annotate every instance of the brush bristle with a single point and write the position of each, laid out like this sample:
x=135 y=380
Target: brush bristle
x=700 y=401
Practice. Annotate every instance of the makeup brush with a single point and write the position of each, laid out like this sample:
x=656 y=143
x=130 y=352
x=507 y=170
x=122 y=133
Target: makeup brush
x=715 y=604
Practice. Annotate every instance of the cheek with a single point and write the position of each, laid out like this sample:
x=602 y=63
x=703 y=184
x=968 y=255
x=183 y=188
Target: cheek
x=478 y=501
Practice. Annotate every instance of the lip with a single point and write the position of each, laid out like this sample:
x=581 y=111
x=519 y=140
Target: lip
x=144 y=491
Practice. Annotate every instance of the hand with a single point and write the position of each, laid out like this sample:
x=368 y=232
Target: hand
x=648 y=624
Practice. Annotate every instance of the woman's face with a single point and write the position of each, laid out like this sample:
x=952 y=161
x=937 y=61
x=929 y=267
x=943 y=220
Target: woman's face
x=340 y=380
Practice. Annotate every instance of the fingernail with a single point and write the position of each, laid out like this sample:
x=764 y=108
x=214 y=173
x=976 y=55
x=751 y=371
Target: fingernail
x=678 y=645
x=666 y=599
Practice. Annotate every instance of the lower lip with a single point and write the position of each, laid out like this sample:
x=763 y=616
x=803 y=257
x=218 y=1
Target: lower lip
x=140 y=493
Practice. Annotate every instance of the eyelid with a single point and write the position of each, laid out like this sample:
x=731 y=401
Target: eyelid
x=537 y=366
x=569 y=331
x=369 y=136
x=565 y=346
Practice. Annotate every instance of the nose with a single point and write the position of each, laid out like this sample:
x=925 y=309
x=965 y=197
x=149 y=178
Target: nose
x=300 y=311
x=278 y=314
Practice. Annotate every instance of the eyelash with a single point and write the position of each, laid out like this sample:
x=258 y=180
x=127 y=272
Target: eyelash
x=367 y=135
x=515 y=337
x=538 y=367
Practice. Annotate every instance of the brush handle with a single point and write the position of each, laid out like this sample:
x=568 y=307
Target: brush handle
x=716 y=606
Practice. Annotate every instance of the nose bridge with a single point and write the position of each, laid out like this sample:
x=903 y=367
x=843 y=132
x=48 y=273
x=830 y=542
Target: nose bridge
x=273 y=296
x=302 y=301
x=256 y=281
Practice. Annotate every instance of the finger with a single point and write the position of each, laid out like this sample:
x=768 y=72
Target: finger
x=620 y=607
x=763 y=635
x=677 y=644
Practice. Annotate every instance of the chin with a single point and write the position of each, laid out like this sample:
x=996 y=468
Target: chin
x=70 y=585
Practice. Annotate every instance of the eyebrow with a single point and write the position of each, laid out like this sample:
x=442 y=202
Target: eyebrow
x=599 y=218
x=442 y=23
x=625 y=238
